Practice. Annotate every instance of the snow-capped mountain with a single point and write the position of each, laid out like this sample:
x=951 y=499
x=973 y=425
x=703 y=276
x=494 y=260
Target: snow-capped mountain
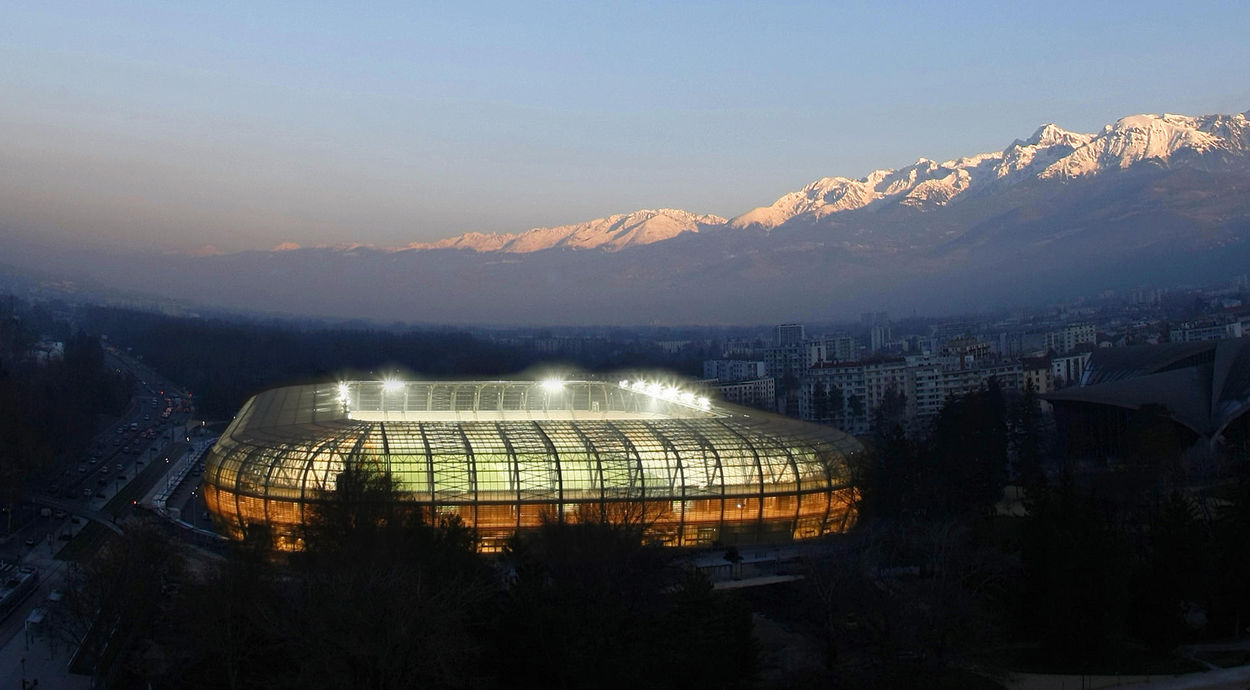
x=1052 y=153
x=612 y=233
x=1150 y=200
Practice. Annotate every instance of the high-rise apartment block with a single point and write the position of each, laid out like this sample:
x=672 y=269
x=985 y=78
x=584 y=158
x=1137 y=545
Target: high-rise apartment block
x=1070 y=338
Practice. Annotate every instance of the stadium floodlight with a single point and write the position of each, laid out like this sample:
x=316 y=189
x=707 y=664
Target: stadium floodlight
x=552 y=385
x=668 y=393
x=344 y=390
x=391 y=385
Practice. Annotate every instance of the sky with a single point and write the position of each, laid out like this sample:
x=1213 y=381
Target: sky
x=245 y=125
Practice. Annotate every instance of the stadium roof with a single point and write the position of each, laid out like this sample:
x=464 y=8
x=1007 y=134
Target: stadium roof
x=1204 y=385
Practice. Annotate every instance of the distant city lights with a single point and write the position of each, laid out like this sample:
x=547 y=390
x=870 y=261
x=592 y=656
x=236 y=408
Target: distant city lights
x=667 y=393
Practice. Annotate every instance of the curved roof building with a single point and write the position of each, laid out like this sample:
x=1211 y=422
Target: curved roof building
x=1203 y=386
x=506 y=455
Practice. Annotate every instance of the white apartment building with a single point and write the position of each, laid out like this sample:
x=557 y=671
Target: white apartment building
x=760 y=393
x=926 y=381
x=734 y=369
x=1069 y=338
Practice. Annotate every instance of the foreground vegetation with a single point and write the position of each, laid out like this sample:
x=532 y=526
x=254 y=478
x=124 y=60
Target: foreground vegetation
x=1098 y=567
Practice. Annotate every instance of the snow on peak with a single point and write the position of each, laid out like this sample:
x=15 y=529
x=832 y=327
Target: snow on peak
x=1137 y=138
x=921 y=184
x=1049 y=135
x=611 y=233
x=1050 y=153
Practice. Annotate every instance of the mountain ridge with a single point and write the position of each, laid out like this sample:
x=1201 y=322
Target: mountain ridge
x=1149 y=200
x=1049 y=153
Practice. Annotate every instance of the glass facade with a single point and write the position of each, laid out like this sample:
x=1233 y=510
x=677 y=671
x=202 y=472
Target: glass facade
x=507 y=455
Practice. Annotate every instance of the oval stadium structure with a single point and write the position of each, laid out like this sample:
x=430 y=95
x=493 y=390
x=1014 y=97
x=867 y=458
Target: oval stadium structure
x=507 y=455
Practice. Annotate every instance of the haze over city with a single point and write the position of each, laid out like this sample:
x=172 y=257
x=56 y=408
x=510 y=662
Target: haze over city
x=624 y=345
x=208 y=127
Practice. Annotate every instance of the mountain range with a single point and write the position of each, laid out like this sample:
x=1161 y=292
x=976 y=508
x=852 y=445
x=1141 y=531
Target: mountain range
x=1149 y=200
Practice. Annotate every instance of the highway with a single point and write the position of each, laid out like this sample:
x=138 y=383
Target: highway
x=70 y=509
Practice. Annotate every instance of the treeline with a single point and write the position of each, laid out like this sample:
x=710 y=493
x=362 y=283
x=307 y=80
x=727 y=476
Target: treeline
x=225 y=362
x=382 y=599
x=1091 y=570
x=51 y=408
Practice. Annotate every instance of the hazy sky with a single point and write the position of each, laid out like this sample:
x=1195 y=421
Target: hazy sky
x=172 y=125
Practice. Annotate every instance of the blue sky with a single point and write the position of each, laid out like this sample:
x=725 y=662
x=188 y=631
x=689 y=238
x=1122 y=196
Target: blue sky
x=244 y=125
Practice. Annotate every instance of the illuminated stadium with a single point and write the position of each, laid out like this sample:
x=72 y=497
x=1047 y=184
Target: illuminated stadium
x=507 y=455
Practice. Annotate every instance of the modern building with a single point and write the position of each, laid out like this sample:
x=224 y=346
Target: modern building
x=789 y=334
x=758 y=393
x=1210 y=328
x=508 y=455
x=832 y=348
x=926 y=383
x=1068 y=370
x=1070 y=338
x=725 y=370
x=1202 y=386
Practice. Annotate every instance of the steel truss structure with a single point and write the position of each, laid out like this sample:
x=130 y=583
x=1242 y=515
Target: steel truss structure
x=507 y=455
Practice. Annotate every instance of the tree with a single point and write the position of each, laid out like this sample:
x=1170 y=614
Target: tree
x=386 y=599
x=836 y=404
x=588 y=600
x=1027 y=439
x=970 y=450
x=820 y=402
x=1073 y=597
x=114 y=599
x=855 y=406
x=891 y=415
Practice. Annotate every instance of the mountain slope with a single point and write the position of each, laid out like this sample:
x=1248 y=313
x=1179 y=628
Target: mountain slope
x=612 y=233
x=1051 y=153
x=1150 y=200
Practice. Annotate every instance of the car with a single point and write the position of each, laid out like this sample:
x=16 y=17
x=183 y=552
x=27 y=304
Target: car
x=99 y=494
x=82 y=468
x=31 y=542
x=60 y=515
x=86 y=492
x=119 y=467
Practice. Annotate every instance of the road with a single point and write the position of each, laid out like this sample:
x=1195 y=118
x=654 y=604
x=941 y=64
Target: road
x=123 y=461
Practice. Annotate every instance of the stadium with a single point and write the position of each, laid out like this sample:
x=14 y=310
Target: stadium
x=507 y=455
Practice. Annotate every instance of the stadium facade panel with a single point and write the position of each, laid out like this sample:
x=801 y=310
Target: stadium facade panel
x=506 y=455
